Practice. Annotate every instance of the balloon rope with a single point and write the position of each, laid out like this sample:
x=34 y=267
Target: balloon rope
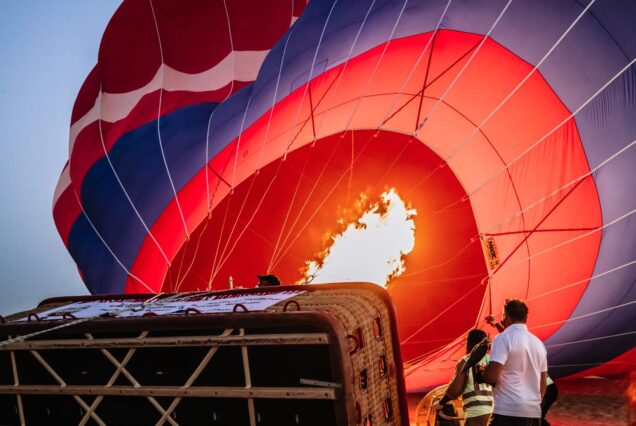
x=425 y=82
x=229 y=199
x=583 y=281
x=541 y=200
x=567 y=185
x=529 y=234
x=237 y=218
x=558 y=126
x=541 y=139
x=592 y=339
x=349 y=122
x=311 y=73
x=591 y=364
x=214 y=263
x=426 y=357
x=338 y=80
x=464 y=67
x=473 y=240
x=326 y=164
x=388 y=115
x=213 y=269
x=344 y=68
x=589 y=314
x=436 y=317
x=121 y=185
x=519 y=85
x=163 y=155
x=229 y=93
x=247 y=225
x=223 y=223
x=238 y=142
x=287 y=215
x=563 y=243
x=377 y=66
x=525 y=231
x=112 y=253
x=283 y=251
x=181 y=278
x=215 y=272
x=273 y=107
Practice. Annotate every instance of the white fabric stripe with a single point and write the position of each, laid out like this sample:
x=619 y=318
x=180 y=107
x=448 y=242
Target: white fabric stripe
x=117 y=106
x=63 y=183
x=236 y=66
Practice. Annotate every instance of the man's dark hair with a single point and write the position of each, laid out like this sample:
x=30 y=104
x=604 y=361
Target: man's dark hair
x=474 y=337
x=516 y=310
x=268 y=280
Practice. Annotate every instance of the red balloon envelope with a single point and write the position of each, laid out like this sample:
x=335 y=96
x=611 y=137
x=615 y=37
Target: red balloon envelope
x=485 y=146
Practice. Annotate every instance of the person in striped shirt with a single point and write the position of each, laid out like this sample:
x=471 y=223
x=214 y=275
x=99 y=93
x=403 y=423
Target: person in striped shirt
x=476 y=397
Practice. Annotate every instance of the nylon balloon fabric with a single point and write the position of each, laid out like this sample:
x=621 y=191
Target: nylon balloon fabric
x=230 y=138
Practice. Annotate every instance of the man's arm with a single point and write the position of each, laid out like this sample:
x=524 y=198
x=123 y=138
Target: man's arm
x=492 y=372
x=456 y=386
x=544 y=383
x=493 y=322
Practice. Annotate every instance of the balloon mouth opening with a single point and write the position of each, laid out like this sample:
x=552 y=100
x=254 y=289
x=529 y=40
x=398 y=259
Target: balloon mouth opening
x=296 y=218
x=285 y=187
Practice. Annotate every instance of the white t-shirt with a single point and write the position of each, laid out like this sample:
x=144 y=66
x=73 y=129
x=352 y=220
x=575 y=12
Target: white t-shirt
x=523 y=357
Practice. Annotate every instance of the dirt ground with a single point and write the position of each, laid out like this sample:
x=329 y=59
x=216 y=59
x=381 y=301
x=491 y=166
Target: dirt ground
x=592 y=401
x=582 y=402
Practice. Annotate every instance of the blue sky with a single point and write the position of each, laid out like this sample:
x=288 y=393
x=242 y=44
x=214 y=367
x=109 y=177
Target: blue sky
x=46 y=50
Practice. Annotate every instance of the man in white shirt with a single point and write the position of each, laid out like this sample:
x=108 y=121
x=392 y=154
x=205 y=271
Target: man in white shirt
x=518 y=369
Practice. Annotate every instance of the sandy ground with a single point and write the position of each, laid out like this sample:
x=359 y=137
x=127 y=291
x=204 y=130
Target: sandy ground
x=590 y=402
x=582 y=402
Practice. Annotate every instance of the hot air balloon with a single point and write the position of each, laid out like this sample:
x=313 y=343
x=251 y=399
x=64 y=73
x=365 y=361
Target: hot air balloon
x=487 y=145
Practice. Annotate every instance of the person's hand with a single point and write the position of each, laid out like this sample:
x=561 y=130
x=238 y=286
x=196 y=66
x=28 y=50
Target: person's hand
x=437 y=406
x=490 y=319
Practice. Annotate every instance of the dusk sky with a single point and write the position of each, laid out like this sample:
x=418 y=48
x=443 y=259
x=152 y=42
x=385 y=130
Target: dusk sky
x=46 y=49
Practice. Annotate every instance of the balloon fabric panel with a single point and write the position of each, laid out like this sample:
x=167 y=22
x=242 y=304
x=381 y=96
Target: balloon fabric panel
x=214 y=140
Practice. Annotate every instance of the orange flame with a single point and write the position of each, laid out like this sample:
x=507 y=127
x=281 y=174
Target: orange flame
x=371 y=248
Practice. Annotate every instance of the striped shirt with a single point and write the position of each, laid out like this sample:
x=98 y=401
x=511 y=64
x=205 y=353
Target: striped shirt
x=477 y=399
